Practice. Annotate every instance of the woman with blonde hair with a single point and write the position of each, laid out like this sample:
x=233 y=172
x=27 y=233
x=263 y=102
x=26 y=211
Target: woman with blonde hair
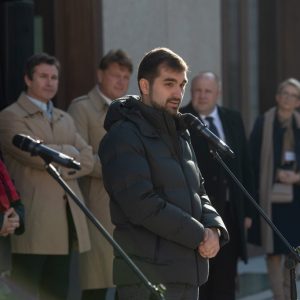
x=275 y=143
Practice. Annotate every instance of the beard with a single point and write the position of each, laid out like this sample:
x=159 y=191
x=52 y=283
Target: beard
x=172 y=111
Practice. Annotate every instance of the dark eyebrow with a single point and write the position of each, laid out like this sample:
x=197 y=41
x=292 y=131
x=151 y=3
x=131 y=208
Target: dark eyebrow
x=170 y=79
x=185 y=81
x=45 y=73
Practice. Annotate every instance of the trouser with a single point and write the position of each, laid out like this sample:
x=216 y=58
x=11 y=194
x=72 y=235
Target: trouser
x=5 y=260
x=174 y=291
x=44 y=276
x=279 y=277
x=96 y=294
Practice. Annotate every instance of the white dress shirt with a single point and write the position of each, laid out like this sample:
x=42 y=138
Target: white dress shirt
x=217 y=121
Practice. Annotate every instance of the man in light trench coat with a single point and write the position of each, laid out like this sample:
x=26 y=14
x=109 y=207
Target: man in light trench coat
x=89 y=111
x=54 y=223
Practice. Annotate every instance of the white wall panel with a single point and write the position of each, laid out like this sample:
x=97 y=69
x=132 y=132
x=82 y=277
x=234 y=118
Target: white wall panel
x=192 y=28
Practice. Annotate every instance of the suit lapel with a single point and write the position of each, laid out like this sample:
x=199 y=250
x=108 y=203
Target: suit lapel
x=227 y=126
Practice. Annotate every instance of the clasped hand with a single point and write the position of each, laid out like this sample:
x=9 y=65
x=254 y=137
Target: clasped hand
x=288 y=177
x=210 y=245
x=11 y=222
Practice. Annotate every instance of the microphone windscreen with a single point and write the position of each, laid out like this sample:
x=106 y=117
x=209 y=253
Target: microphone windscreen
x=23 y=142
x=190 y=120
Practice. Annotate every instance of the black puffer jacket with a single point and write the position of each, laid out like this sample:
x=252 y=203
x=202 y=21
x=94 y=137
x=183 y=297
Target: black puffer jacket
x=158 y=202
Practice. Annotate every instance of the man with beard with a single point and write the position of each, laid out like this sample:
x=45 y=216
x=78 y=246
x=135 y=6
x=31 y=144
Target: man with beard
x=163 y=218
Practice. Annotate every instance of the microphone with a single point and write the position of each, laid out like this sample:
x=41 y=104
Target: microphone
x=35 y=147
x=201 y=128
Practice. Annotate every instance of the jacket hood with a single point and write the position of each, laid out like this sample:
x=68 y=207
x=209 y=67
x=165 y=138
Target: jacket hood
x=119 y=110
x=132 y=108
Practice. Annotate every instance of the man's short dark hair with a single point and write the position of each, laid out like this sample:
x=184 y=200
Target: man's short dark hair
x=116 y=56
x=37 y=59
x=150 y=65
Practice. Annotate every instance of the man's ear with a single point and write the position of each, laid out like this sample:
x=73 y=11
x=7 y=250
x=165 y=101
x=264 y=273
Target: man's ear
x=144 y=86
x=27 y=81
x=99 y=75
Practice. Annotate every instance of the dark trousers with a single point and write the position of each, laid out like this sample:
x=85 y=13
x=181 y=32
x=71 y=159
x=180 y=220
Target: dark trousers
x=45 y=276
x=174 y=291
x=97 y=294
x=223 y=267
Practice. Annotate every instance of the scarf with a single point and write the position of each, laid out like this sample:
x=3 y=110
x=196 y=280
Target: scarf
x=267 y=170
x=8 y=191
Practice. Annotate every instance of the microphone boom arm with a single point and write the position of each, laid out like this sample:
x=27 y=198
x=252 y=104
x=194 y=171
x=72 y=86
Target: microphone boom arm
x=157 y=291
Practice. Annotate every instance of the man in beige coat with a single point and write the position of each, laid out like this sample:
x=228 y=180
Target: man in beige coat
x=89 y=112
x=53 y=222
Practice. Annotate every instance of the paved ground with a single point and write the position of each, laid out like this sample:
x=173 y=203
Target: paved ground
x=254 y=281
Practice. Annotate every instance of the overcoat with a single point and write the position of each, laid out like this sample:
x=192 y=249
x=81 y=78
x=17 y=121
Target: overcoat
x=285 y=216
x=44 y=199
x=89 y=112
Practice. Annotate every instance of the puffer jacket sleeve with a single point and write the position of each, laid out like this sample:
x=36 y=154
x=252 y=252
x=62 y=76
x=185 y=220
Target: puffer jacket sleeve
x=210 y=218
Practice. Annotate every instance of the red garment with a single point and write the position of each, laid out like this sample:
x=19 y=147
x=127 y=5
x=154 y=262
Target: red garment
x=8 y=191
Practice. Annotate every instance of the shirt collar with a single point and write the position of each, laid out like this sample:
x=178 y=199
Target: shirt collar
x=46 y=107
x=40 y=104
x=214 y=114
x=217 y=122
x=106 y=99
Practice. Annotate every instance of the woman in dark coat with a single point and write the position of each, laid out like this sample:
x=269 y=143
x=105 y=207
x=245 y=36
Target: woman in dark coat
x=275 y=142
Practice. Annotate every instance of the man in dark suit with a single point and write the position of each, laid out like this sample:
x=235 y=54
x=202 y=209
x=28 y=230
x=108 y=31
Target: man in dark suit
x=223 y=192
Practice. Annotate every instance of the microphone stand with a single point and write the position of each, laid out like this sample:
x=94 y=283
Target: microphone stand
x=294 y=255
x=157 y=292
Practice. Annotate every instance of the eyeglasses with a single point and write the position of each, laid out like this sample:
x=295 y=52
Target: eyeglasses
x=289 y=96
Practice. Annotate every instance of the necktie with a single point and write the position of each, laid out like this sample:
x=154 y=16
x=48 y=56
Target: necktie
x=212 y=126
x=49 y=109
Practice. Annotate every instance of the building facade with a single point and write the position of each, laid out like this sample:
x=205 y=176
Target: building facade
x=252 y=44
